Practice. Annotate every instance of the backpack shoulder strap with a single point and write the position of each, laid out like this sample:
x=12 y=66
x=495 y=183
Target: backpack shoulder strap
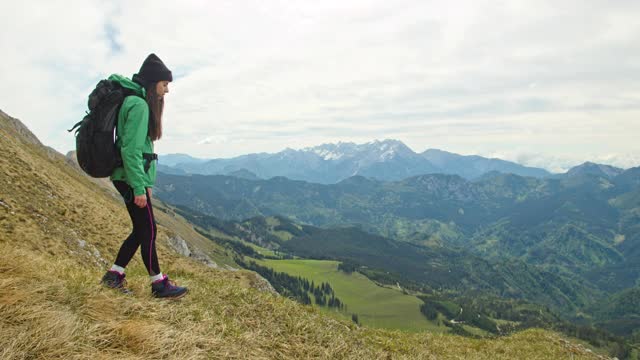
x=128 y=92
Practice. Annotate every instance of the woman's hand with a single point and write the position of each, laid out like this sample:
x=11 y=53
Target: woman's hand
x=149 y=191
x=140 y=200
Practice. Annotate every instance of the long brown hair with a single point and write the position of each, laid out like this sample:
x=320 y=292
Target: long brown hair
x=156 y=106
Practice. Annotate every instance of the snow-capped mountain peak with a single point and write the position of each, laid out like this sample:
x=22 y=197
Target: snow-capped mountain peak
x=332 y=152
x=378 y=150
x=328 y=154
x=386 y=150
x=387 y=154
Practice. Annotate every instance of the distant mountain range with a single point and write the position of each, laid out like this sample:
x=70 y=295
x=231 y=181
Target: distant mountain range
x=582 y=227
x=388 y=160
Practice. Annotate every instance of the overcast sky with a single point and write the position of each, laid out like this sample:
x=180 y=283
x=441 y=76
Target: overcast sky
x=545 y=83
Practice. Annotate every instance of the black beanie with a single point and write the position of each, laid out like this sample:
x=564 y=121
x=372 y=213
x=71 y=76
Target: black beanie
x=152 y=71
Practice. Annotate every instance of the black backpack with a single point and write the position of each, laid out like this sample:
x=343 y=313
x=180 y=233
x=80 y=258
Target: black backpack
x=95 y=138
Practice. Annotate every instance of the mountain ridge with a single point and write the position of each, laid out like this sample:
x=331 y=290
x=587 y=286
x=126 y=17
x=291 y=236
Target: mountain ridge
x=330 y=163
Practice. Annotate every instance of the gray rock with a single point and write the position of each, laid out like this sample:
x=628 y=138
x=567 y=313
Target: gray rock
x=261 y=284
x=179 y=245
x=204 y=259
x=2 y=203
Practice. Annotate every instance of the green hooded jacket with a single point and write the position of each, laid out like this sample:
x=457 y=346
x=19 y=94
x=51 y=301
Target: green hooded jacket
x=132 y=138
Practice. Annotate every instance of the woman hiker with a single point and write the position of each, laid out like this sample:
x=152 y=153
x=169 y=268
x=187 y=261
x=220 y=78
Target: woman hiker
x=139 y=125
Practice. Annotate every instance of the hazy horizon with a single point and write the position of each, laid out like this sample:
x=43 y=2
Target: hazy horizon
x=565 y=168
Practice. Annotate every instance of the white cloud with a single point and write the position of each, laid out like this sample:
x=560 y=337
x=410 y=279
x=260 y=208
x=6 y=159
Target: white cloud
x=213 y=140
x=560 y=80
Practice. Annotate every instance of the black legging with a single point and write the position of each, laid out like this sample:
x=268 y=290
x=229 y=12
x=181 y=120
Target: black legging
x=143 y=234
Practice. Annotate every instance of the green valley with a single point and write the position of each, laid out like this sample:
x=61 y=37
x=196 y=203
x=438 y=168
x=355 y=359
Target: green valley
x=375 y=305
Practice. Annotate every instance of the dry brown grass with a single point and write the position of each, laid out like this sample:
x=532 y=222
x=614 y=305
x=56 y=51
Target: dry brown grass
x=58 y=232
x=53 y=308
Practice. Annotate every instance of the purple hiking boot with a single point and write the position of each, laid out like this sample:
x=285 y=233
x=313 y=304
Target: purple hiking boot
x=165 y=288
x=115 y=280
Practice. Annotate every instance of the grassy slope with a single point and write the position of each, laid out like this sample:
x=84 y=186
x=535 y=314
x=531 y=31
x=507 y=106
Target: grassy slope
x=58 y=232
x=376 y=306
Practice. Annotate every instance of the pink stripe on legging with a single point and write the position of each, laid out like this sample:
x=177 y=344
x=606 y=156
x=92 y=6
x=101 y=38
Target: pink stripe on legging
x=151 y=234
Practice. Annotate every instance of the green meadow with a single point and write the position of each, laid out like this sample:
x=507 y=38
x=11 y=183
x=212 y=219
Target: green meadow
x=376 y=306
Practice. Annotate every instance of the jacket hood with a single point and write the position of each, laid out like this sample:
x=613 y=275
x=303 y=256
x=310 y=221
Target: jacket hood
x=127 y=83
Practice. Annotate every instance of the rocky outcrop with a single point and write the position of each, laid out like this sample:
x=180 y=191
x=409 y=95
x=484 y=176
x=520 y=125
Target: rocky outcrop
x=179 y=245
x=201 y=257
x=259 y=283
